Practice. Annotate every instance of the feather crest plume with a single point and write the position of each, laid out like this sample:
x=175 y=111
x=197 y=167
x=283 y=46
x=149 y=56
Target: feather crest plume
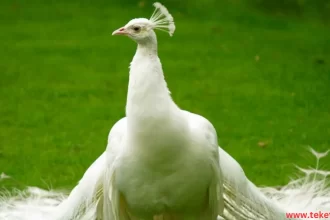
x=162 y=19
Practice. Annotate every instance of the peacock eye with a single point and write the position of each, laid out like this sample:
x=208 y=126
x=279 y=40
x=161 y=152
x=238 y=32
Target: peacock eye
x=136 y=28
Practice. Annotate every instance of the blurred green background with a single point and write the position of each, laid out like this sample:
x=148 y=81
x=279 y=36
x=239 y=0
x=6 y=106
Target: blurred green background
x=259 y=70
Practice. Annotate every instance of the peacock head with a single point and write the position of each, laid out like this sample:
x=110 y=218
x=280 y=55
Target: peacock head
x=141 y=29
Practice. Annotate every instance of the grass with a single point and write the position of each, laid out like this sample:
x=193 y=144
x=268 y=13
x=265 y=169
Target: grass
x=63 y=82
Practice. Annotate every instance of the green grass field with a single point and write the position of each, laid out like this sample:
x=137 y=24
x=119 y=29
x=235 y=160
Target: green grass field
x=63 y=83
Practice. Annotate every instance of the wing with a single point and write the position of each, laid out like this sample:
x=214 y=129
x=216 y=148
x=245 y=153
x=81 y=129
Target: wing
x=114 y=206
x=243 y=200
x=206 y=133
x=84 y=197
x=86 y=200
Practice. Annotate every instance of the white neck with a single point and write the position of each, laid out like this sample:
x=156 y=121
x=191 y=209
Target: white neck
x=148 y=98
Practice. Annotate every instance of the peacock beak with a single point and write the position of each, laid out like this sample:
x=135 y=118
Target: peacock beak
x=120 y=31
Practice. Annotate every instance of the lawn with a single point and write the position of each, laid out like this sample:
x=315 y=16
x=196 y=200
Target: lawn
x=262 y=80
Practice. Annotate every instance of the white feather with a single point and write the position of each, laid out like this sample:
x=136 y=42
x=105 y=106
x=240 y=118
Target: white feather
x=162 y=19
x=309 y=193
x=243 y=200
x=86 y=195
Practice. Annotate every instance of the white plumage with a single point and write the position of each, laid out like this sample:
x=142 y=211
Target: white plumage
x=167 y=162
x=162 y=162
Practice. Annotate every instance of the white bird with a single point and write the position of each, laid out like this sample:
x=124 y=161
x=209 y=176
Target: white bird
x=165 y=163
x=162 y=162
